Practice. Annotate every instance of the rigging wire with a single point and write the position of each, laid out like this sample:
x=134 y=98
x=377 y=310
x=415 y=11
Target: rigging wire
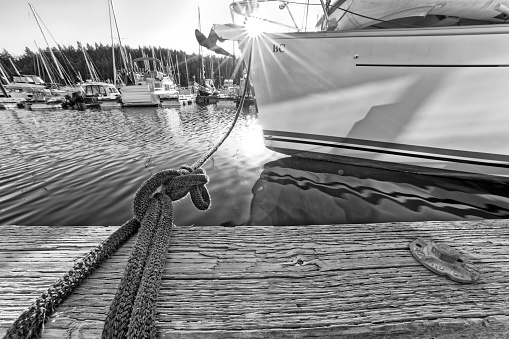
x=211 y=151
x=350 y=12
x=61 y=52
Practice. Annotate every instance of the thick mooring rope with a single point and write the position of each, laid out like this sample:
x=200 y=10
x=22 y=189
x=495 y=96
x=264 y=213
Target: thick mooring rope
x=30 y=323
x=132 y=312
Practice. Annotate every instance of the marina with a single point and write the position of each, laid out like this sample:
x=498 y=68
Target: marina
x=319 y=169
x=334 y=237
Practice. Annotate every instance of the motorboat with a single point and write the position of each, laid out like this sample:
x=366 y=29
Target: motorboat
x=93 y=94
x=408 y=85
x=104 y=91
x=31 y=88
x=149 y=87
x=207 y=88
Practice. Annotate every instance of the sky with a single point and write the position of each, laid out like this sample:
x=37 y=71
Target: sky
x=164 y=23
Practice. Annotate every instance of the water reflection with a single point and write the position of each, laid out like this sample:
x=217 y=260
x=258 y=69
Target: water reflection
x=296 y=191
x=83 y=168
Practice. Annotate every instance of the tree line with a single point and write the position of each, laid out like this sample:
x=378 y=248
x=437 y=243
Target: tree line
x=73 y=61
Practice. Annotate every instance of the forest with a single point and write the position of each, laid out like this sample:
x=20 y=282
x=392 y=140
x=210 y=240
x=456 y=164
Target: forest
x=184 y=67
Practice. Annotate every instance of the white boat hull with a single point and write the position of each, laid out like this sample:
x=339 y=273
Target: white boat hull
x=435 y=97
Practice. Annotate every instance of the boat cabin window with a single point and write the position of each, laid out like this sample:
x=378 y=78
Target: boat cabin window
x=95 y=90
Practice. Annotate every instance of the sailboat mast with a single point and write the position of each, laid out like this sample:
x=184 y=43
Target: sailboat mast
x=3 y=74
x=44 y=62
x=110 y=5
x=122 y=51
x=187 y=71
x=14 y=66
x=50 y=50
x=212 y=68
x=3 y=90
x=202 y=70
x=219 y=72
x=178 y=69
x=88 y=64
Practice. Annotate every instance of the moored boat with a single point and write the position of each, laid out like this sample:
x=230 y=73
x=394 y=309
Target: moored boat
x=419 y=86
x=93 y=94
x=32 y=89
x=150 y=87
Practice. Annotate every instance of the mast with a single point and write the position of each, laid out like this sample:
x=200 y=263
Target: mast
x=110 y=6
x=4 y=77
x=122 y=51
x=178 y=69
x=212 y=69
x=14 y=66
x=187 y=71
x=3 y=74
x=38 y=65
x=3 y=90
x=153 y=61
x=201 y=77
x=50 y=50
x=44 y=63
x=93 y=74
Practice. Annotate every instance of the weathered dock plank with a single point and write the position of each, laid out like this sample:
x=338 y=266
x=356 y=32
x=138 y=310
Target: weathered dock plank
x=32 y=258
x=350 y=281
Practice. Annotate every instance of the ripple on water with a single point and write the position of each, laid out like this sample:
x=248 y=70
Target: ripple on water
x=83 y=167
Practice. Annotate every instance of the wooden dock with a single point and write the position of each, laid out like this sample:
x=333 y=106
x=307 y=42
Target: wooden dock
x=330 y=281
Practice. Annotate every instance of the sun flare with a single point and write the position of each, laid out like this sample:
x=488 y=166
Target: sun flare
x=255 y=27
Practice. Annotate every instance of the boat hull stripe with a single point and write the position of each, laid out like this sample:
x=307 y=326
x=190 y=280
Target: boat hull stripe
x=431 y=153
x=426 y=65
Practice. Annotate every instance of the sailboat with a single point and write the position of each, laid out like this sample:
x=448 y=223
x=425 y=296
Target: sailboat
x=409 y=85
x=6 y=99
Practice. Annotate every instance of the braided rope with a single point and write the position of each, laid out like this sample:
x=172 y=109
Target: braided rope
x=132 y=312
x=29 y=324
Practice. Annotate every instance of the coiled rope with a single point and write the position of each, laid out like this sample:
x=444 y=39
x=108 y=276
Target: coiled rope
x=132 y=312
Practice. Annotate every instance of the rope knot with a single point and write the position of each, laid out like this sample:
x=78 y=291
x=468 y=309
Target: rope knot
x=175 y=184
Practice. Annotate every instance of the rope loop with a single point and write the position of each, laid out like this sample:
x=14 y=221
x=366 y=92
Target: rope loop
x=192 y=181
x=175 y=184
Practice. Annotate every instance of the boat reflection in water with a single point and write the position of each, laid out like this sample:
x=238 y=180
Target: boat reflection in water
x=299 y=191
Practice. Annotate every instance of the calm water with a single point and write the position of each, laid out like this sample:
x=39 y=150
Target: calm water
x=71 y=167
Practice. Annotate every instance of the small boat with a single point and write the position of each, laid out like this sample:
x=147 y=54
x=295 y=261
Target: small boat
x=93 y=94
x=407 y=85
x=32 y=88
x=6 y=101
x=105 y=92
x=187 y=95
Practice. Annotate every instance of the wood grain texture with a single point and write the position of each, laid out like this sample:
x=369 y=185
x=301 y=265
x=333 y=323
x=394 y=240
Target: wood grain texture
x=341 y=281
